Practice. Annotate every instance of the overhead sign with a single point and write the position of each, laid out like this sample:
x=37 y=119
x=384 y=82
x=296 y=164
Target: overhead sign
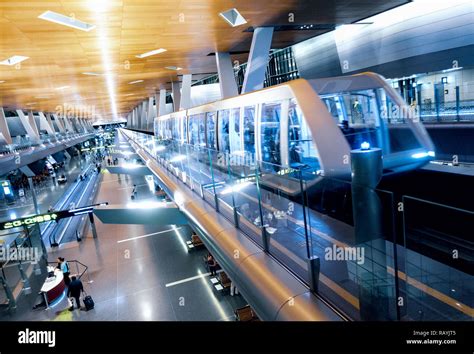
x=53 y=216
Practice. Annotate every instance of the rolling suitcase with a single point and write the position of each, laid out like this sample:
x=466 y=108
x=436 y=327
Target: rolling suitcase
x=88 y=302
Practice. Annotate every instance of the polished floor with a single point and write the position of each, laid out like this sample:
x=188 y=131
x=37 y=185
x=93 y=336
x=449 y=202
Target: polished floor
x=140 y=272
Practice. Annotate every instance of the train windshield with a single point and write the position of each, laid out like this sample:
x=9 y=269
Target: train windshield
x=369 y=116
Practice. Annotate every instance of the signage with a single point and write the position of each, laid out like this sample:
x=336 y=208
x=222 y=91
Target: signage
x=53 y=216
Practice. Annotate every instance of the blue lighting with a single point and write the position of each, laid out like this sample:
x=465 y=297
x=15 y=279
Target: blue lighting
x=365 y=146
x=421 y=155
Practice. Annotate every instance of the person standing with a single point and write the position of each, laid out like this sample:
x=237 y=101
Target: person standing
x=75 y=290
x=212 y=264
x=64 y=266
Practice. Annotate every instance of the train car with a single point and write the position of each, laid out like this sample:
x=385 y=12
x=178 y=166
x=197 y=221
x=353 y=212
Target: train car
x=307 y=125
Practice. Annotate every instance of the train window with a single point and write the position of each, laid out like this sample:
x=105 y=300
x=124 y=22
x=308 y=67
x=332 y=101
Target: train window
x=249 y=129
x=302 y=152
x=174 y=128
x=400 y=135
x=224 y=140
x=234 y=130
x=270 y=133
x=184 y=138
x=196 y=130
x=211 y=129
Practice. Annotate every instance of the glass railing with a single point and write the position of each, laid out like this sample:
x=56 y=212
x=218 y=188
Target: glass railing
x=344 y=240
x=438 y=257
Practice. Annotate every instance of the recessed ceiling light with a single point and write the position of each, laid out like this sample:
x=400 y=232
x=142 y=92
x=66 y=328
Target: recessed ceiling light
x=233 y=17
x=92 y=73
x=153 y=52
x=2 y=81
x=31 y=104
x=173 y=68
x=13 y=60
x=62 y=87
x=135 y=82
x=66 y=21
x=44 y=96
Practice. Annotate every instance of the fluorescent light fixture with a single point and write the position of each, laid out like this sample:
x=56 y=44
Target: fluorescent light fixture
x=92 y=73
x=2 y=81
x=31 y=104
x=233 y=17
x=135 y=82
x=178 y=158
x=13 y=60
x=236 y=188
x=66 y=21
x=146 y=204
x=159 y=148
x=150 y=53
x=420 y=155
x=131 y=165
x=129 y=94
x=173 y=68
x=62 y=87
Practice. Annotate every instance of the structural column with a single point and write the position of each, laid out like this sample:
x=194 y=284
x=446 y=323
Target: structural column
x=45 y=124
x=4 y=128
x=185 y=101
x=162 y=103
x=176 y=95
x=225 y=70
x=29 y=125
x=258 y=59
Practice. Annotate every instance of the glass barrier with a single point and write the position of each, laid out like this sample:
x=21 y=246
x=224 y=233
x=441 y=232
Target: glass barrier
x=338 y=237
x=437 y=258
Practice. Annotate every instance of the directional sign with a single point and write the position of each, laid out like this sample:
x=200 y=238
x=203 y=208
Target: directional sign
x=53 y=216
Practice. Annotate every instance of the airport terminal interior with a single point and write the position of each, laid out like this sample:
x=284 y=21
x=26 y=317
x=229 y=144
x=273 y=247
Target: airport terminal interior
x=231 y=160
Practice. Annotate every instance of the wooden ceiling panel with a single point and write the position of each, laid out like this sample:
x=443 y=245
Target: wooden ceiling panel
x=188 y=29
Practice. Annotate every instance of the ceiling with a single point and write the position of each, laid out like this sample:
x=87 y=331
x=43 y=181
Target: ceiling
x=188 y=29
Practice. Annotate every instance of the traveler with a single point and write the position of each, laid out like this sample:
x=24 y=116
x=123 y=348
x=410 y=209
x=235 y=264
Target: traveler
x=211 y=262
x=74 y=290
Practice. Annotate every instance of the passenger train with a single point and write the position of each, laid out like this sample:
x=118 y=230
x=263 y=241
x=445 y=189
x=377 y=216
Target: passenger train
x=308 y=125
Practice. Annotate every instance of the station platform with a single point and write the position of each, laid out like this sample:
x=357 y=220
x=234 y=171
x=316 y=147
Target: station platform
x=139 y=272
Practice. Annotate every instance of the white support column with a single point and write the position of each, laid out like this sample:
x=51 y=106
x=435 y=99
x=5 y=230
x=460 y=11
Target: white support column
x=4 y=130
x=45 y=125
x=50 y=123
x=59 y=123
x=150 y=114
x=258 y=59
x=68 y=125
x=32 y=121
x=225 y=70
x=25 y=121
x=185 y=101
x=176 y=95
x=144 y=114
x=162 y=103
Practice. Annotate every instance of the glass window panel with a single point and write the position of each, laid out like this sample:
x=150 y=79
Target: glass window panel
x=211 y=130
x=270 y=133
x=302 y=152
x=224 y=139
x=249 y=129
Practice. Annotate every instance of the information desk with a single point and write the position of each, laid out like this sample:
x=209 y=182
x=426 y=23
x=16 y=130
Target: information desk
x=54 y=286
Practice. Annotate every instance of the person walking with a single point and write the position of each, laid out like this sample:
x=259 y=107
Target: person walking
x=75 y=290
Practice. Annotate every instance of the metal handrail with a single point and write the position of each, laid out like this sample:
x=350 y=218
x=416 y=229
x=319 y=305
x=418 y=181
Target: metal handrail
x=77 y=267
